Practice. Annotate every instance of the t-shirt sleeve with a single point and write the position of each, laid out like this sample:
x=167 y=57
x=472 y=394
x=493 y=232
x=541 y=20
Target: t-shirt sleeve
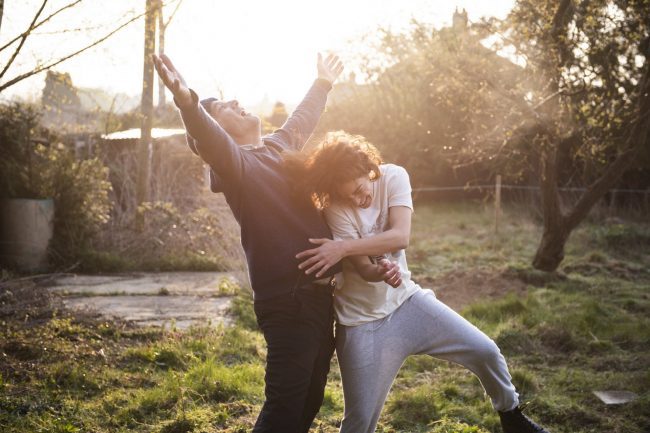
x=341 y=223
x=399 y=188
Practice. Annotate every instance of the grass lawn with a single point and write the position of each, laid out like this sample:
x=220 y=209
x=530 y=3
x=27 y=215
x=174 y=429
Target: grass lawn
x=564 y=335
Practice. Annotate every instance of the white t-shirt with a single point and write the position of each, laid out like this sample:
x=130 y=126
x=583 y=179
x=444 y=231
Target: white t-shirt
x=357 y=301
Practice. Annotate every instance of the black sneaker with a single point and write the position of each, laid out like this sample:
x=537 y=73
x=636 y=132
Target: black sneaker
x=514 y=421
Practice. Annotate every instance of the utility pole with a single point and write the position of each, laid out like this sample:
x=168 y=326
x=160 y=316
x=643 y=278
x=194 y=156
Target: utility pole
x=146 y=109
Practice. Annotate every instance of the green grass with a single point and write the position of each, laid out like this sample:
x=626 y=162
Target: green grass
x=564 y=335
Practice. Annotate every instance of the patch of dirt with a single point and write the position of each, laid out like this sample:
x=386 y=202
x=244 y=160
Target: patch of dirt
x=458 y=289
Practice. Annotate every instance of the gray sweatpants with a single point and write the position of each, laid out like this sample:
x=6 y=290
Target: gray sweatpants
x=371 y=354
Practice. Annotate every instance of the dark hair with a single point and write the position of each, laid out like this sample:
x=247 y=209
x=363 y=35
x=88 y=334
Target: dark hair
x=338 y=159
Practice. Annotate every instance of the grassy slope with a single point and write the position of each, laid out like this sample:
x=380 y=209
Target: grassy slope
x=564 y=336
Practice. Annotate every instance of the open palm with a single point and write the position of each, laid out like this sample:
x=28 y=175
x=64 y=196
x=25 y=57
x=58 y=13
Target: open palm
x=172 y=79
x=330 y=68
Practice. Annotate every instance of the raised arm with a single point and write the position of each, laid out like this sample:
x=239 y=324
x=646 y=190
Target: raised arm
x=213 y=144
x=299 y=126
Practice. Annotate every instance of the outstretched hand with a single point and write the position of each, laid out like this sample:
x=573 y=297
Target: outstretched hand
x=330 y=68
x=173 y=80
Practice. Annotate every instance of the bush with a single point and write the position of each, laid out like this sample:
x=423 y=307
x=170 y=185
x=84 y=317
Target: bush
x=19 y=167
x=82 y=206
x=36 y=165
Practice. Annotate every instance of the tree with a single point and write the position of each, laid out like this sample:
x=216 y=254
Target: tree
x=18 y=42
x=59 y=93
x=590 y=104
x=278 y=116
x=418 y=110
x=575 y=113
x=2 y=8
x=146 y=106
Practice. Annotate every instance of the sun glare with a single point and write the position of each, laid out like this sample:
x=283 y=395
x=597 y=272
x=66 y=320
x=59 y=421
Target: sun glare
x=255 y=51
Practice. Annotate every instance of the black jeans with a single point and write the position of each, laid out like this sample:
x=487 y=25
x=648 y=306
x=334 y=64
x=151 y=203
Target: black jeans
x=298 y=329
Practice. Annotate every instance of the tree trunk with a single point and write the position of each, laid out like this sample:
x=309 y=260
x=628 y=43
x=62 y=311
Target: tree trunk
x=551 y=248
x=2 y=8
x=550 y=251
x=146 y=107
x=161 y=50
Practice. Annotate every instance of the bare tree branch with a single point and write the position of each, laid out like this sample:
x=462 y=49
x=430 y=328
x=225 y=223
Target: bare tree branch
x=52 y=64
x=24 y=37
x=171 y=17
x=33 y=27
x=638 y=138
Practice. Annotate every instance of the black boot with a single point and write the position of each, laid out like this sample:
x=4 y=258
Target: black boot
x=513 y=421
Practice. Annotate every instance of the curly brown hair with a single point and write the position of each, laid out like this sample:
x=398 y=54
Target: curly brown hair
x=339 y=158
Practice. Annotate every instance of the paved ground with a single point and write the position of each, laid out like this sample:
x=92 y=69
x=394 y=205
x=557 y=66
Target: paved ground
x=158 y=299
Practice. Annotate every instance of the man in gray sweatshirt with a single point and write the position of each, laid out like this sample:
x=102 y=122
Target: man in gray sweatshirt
x=294 y=311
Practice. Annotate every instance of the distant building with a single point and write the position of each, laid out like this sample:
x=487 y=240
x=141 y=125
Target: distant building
x=459 y=20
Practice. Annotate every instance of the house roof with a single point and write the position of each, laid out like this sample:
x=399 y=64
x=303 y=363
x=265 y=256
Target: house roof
x=134 y=134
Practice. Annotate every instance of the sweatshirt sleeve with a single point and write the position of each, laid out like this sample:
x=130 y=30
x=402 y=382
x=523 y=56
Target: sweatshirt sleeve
x=211 y=142
x=299 y=126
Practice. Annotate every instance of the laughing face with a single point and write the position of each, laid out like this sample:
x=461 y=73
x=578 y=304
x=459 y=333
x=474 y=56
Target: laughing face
x=233 y=118
x=357 y=192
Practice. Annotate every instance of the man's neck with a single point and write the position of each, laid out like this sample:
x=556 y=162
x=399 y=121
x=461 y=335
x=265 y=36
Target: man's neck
x=254 y=138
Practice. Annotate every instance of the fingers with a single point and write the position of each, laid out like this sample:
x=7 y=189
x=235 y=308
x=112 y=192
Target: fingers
x=395 y=281
x=312 y=251
x=332 y=62
x=323 y=270
x=307 y=263
x=391 y=273
x=163 y=72
x=321 y=267
x=338 y=69
x=320 y=241
x=307 y=253
x=167 y=61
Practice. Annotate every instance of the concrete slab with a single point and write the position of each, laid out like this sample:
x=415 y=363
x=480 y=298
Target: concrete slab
x=156 y=310
x=183 y=283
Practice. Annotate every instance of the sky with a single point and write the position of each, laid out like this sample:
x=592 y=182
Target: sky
x=249 y=50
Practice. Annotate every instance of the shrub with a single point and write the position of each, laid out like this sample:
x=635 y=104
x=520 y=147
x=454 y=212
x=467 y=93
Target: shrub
x=80 y=191
x=36 y=165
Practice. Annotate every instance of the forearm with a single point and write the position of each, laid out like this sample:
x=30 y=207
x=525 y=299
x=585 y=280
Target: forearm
x=313 y=104
x=382 y=243
x=369 y=271
x=302 y=122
